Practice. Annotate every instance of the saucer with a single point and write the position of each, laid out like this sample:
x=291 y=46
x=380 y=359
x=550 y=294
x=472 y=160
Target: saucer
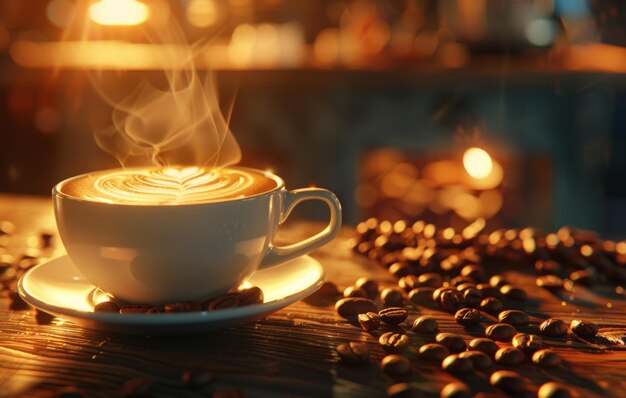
x=58 y=288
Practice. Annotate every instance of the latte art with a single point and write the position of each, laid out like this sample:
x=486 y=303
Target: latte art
x=169 y=185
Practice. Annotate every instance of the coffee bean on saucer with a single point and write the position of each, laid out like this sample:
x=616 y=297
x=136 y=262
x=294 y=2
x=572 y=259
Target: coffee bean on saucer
x=421 y=296
x=457 y=364
x=135 y=309
x=500 y=332
x=393 y=315
x=497 y=281
x=369 y=321
x=370 y=287
x=353 y=291
x=391 y=297
x=250 y=296
x=513 y=293
x=491 y=305
x=196 y=377
x=553 y=327
x=467 y=316
x=480 y=360
x=229 y=300
x=472 y=297
x=181 y=306
x=159 y=309
x=555 y=390
x=393 y=342
x=550 y=282
x=350 y=308
x=425 y=325
x=106 y=306
x=229 y=392
x=483 y=345
x=137 y=387
x=527 y=342
x=509 y=356
x=508 y=381
x=353 y=353
x=408 y=283
x=402 y=390
x=514 y=317
x=395 y=365
x=546 y=358
x=453 y=342
x=433 y=352
x=583 y=329
x=456 y=390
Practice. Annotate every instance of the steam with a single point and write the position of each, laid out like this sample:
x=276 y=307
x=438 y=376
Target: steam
x=172 y=120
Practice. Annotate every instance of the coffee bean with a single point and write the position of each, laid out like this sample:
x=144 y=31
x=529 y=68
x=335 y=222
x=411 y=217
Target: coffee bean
x=369 y=321
x=400 y=269
x=327 y=293
x=583 y=329
x=402 y=390
x=156 y=310
x=370 y=287
x=451 y=301
x=456 y=364
x=394 y=342
x=395 y=365
x=106 y=306
x=250 y=296
x=484 y=345
x=508 y=381
x=464 y=286
x=430 y=279
x=43 y=318
x=437 y=293
x=433 y=352
x=17 y=304
x=421 y=296
x=391 y=297
x=489 y=291
x=509 y=356
x=229 y=392
x=555 y=390
x=425 y=325
x=453 y=342
x=350 y=308
x=514 y=317
x=553 y=327
x=467 y=316
x=137 y=387
x=135 y=309
x=500 y=332
x=408 y=283
x=475 y=272
x=472 y=297
x=497 y=281
x=353 y=353
x=229 y=300
x=480 y=360
x=353 y=291
x=460 y=280
x=196 y=377
x=182 y=306
x=550 y=282
x=513 y=293
x=546 y=358
x=393 y=315
x=491 y=305
x=527 y=342
x=456 y=390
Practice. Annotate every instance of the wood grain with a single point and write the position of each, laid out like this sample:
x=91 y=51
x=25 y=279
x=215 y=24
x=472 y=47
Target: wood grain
x=290 y=353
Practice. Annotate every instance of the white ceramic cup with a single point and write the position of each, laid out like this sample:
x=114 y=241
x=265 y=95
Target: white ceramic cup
x=157 y=254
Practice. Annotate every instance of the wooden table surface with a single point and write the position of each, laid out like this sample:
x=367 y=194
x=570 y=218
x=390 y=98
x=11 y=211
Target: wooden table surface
x=289 y=353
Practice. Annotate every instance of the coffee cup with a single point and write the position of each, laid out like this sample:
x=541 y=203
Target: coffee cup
x=156 y=236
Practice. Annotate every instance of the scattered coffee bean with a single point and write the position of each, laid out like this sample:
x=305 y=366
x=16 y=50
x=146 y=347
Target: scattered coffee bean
x=514 y=317
x=509 y=356
x=391 y=297
x=527 y=342
x=369 y=321
x=402 y=390
x=500 y=332
x=497 y=281
x=395 y=365
x=480 y=360
x=353 y=353
x=467 y=316
x=17 y=304
x=508 y=381
x=137 y=387
x=546 y=358
x=408 y=283
x=327 y=293
x=425 y=325
x=451 y=301
x=353 y=291
x=472 y=297
x=370 y=287
x=453 y=342
x=182 y=306
x=457 y=364
x=437 y=293
x=489 y=291
x=393 y=315
x=553 y=327
x=456 y=390
x=106 y=306
x=460 y=280
x=350 y=308
x=475 y=272
x=250 y=296
x=583 y=329
x=229 y=300
x=513 y=293
x=430 y=279
x=555 y=390
x=400 y=269
x=135 y=309
x=393 y=342
x=433 y=352
x=421 y=296
x=464 y=286
x=550 y=282
x=491 y=305
x=484 y=345
x=196 y=377
x=229 y=392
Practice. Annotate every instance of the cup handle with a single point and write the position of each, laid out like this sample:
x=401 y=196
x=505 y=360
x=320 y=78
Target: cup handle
x=280 y=254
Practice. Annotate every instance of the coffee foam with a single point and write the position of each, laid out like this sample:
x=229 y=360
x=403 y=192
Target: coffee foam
x=168 y=186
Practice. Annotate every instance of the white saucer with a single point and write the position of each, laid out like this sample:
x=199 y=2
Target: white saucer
x=57 y=287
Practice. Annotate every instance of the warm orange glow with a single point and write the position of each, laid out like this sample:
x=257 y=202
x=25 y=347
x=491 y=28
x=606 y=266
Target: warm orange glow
x=586 y=250
x=119 y=12
x=477 y=162
x=202 y=13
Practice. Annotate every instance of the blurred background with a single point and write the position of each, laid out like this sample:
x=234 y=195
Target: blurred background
x=448 y=111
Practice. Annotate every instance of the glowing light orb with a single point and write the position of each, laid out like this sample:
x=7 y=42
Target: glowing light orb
x=477 y=162
x=119 y=12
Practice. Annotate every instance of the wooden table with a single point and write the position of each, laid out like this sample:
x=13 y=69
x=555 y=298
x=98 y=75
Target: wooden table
x=289 y=353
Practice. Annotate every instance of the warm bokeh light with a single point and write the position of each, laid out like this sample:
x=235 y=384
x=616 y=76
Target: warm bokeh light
x=202 y=13
x=119 y=12
x=477 y=162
